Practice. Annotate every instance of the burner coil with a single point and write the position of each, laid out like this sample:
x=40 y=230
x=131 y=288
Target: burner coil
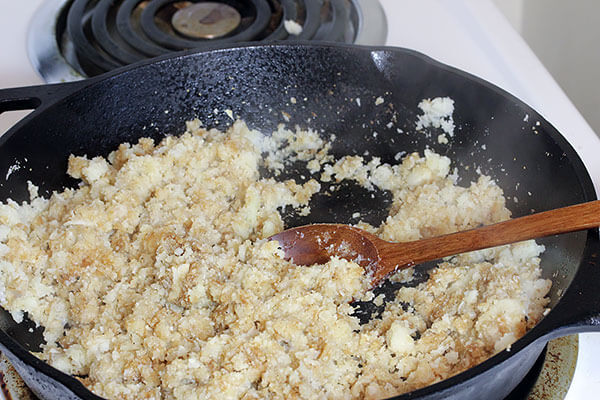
x=107 y=34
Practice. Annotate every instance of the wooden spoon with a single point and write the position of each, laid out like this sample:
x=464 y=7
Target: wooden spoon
x=315 y=244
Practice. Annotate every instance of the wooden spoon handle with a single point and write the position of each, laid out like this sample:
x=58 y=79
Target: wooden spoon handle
x=561 y=220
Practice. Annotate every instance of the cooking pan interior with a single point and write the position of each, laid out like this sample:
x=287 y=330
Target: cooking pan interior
x=332 y=89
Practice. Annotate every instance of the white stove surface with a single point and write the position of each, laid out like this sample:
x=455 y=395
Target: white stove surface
x=469 y=34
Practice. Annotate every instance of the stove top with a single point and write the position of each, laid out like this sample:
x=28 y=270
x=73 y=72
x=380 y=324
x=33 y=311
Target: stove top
x=469 y=34
x=73 y=39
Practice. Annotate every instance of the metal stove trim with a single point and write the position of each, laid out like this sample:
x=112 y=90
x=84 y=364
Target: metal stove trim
x=371 y=15
x=42 y=47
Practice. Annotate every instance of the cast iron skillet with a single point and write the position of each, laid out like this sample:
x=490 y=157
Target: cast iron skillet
x=496 y=132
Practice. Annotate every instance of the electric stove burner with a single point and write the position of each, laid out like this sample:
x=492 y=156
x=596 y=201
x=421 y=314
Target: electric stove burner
x=70 y=39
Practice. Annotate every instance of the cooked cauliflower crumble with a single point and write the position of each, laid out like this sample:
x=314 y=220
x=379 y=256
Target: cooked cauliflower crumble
x=437 y=113
x=154 y=278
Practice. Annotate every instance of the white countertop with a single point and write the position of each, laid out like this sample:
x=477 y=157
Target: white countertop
x=469 y=34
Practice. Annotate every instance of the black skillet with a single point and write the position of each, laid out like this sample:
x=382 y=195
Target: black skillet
x=496 y=132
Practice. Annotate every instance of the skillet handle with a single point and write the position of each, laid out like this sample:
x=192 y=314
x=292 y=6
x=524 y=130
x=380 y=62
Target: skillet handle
x=579 y=309
x=33 y=97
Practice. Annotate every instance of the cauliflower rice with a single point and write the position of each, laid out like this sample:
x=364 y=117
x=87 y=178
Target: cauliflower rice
x=154 y=280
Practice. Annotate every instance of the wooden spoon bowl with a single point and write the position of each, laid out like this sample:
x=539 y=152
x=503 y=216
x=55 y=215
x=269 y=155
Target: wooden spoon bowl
x=317 y=243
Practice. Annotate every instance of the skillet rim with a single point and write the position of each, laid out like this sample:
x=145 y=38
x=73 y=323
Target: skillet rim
x=538 y=333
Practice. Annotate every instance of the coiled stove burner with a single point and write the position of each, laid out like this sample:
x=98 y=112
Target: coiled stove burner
x=70 y=39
